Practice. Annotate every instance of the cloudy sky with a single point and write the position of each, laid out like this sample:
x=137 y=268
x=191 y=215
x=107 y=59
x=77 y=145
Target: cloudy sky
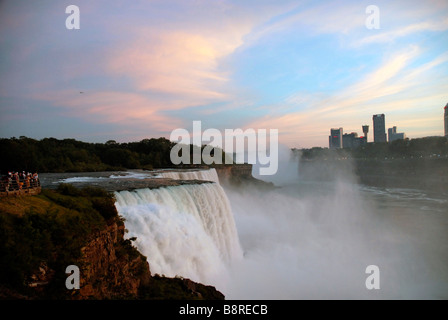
x=146 y=68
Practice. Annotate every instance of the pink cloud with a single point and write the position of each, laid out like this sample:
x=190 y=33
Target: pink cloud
x=177 y=64
x=184 y=58
x=111 y=107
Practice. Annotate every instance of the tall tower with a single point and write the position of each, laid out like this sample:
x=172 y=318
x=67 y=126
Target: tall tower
x=446 y=120
x=365 y=130
x=379 y=128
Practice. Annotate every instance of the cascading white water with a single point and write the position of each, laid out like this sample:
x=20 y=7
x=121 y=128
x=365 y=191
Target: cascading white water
x=186 y=230
x=206 y=175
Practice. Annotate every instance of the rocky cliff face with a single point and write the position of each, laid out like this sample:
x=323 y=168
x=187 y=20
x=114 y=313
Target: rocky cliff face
x=234 y=171
x=426 y=173
x=110 y=268
x=42 y=235
x=240 y=176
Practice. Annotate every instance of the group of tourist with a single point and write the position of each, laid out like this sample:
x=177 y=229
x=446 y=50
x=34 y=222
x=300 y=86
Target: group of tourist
x=19 y=180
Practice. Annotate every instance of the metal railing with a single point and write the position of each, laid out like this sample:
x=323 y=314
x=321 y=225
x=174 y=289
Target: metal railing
x=13 y=184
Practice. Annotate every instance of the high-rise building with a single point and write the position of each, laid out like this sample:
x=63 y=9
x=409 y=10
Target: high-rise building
x=379 y=128
x=365 y=130
x=335 y=138
x=394 y=135
x=446 y=120
x=391 y=132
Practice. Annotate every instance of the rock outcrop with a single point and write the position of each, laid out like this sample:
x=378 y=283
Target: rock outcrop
x=240 y=175
x=110 y=267
x=47 y=233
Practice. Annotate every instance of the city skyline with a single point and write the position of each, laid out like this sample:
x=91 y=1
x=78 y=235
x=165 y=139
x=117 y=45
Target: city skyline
x=141 y=70
x=339 y=139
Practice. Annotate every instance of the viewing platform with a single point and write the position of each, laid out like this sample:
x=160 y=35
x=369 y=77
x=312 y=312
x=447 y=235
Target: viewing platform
x=25 y=187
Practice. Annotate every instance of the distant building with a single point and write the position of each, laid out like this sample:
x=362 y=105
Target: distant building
x=335 y=138
x=390 y=133
x=351 y=140
x=361 y=141
x=394 y=135
x=379 y=128
x=446 y=120
x=348 y=140
x=365 y=130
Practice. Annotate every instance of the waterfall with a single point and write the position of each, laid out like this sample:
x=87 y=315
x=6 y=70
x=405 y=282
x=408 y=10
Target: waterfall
x=186 y=230
x=206 y=175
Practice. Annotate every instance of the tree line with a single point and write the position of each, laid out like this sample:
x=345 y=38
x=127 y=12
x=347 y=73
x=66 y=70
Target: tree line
x=70 y=155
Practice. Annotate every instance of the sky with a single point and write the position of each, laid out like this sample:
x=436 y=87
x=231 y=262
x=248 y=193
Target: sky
x=141 y=69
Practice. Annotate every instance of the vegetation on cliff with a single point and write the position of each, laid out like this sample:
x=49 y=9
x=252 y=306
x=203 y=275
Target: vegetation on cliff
x=47 y=229
x=41 y=235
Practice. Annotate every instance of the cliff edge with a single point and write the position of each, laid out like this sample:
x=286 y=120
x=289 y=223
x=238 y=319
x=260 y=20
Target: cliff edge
x=41 y=235
x=240 y=176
